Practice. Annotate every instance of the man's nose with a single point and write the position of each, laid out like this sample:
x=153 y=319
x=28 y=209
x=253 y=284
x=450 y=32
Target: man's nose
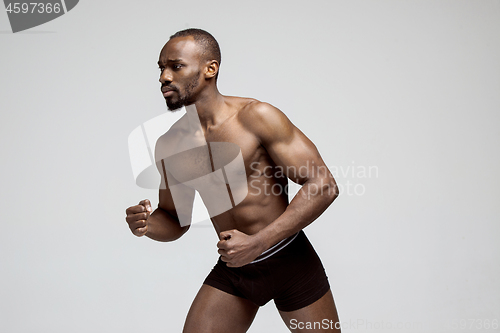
x=165 y=76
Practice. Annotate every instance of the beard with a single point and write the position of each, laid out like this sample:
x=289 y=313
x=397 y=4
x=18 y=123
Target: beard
x=186 y=97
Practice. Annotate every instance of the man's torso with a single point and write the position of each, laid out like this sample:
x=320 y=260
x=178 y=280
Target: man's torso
x=267 y=197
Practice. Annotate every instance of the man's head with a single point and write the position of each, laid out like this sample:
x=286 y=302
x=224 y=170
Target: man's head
x=189 y=62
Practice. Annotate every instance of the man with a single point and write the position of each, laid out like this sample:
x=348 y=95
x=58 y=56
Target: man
x=264 y=254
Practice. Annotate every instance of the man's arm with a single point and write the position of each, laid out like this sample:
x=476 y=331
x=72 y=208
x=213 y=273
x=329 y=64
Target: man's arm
x=297 y=156
x=291 y=150
x=163 y=224
x=172 y=218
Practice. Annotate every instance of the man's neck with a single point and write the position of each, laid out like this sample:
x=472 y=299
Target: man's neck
x=211 y=108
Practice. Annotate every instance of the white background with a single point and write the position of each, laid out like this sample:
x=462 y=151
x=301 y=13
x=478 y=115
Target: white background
x=411 y=88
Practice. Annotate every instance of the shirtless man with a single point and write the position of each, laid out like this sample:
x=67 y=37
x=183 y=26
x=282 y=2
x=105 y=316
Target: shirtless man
x=264 y=254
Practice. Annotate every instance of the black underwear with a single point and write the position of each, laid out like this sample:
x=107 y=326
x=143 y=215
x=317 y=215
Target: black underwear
x=290 y=273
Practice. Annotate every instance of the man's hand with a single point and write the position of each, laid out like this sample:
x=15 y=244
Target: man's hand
x=137 y=217
x=238 y=249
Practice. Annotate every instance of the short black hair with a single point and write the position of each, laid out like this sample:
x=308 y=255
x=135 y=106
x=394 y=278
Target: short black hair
x=211 y=50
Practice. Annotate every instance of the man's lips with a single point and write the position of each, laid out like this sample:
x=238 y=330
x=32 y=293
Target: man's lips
x=167 y=91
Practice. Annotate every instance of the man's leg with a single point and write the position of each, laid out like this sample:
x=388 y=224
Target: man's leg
x=322 y=312
x=215 y=311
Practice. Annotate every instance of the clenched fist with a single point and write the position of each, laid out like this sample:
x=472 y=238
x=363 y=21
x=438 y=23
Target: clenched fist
x=238 y=249
x=137 y=217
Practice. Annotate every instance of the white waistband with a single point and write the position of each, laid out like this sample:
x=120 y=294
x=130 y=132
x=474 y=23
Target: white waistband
x=275 y=248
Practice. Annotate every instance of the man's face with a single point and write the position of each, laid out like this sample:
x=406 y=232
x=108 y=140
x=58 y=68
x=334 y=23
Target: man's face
x=180 y=71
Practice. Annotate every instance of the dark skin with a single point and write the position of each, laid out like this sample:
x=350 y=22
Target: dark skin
x=273 y=150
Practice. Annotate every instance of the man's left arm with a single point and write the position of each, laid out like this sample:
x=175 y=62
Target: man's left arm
x=299 y=158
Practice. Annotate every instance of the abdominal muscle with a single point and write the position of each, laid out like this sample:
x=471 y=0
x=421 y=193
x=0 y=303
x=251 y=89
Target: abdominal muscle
x=259 y=208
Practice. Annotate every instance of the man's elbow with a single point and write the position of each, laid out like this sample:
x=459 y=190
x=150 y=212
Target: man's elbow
x=330 y=189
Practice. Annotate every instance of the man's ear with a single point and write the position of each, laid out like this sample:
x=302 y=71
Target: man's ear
x=211 y=69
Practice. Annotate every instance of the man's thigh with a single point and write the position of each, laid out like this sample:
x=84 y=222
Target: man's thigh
x=320 y=316
x=215 y=311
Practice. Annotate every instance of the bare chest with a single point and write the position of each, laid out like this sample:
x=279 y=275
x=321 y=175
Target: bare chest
x=228 y=147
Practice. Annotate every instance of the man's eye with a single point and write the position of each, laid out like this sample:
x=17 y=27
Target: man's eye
x=161 y=69
x=177 y=66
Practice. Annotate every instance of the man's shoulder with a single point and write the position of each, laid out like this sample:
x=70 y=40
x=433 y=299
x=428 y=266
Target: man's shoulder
x=175 y=130
x=168 y=142
x=258 y=116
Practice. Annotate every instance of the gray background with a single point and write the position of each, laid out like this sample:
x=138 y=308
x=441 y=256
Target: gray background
x=410 y=87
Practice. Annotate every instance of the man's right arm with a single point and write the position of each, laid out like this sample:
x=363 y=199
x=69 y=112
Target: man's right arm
x=163 y=224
